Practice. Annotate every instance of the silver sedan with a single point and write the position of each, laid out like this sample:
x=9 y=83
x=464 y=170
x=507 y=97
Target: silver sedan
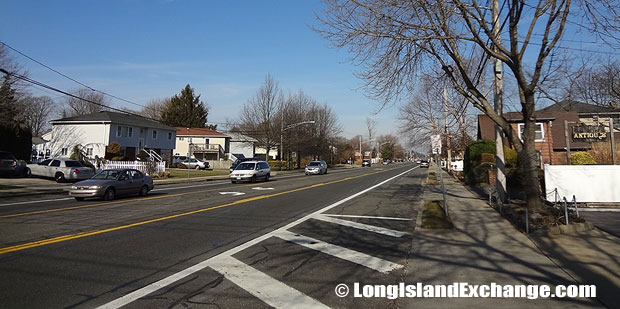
x=113 y=182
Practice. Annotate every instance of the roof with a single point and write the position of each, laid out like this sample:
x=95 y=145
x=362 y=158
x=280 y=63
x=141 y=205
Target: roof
x=580 y=108
x=238 y=137
x=113 y=117
x=181 y=131
x=538 y=115
x=38 y=140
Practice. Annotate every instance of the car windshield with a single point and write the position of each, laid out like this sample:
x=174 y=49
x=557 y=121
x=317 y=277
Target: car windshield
x=107 y=175
x=246 y=166
x=71 y=163
x=313 y=164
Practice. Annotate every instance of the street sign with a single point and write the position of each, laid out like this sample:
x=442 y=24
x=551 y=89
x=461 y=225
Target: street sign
x=436 y=143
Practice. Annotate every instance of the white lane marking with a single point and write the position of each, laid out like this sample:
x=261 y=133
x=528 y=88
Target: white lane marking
x=261 y=188
x=38 y=201
x=600 y=209
x=367 y=217
x=144 y=291
x=232 y=193
x=264 y=287
x=361 y=226
x=356 y=257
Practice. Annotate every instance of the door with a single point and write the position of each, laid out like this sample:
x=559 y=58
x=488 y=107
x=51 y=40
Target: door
x=52 y=168
x=124 y=183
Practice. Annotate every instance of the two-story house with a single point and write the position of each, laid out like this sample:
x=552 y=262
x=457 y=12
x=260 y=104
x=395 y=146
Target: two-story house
x=94 y=132
x=206 y=144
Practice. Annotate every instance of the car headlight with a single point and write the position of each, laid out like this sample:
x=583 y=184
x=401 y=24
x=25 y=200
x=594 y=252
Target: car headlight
x=74 y=187
x=95 y=187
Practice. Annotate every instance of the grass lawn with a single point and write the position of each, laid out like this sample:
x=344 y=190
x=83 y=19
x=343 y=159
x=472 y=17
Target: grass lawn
x=179 y=173
x=433 y=216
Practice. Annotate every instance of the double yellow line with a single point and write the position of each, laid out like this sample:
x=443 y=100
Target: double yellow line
x=122 y=227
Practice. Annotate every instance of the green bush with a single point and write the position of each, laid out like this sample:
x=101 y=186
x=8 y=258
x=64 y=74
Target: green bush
x=487 y=157
x=581 y=158
x=473 y=158
x=510 y=157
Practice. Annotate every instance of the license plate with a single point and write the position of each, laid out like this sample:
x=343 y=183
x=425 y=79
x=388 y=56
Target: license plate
x=238 y=178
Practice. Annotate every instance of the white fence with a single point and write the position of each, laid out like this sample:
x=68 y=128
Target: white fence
x=142 y=166
x=588 y=183
x=219 y=164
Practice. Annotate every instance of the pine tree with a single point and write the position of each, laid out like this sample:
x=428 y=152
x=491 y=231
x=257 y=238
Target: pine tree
x=185 y=110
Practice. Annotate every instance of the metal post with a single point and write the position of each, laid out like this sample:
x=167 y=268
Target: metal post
x=566 y=210
x=613 y=141
x=449 y=151
x=443 y=189
x=567 y=142
x=527 y=222
x=575 y=205
x=281 y=138
x=499 y=205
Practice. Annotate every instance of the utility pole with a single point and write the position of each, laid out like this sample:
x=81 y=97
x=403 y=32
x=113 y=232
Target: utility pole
x=567 y=140
x=445 y=106
x=613 y=141
x=361 y=156
x=281 y=137
x=497 y=100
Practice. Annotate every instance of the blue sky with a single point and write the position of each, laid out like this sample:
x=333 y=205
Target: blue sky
x=141 y=50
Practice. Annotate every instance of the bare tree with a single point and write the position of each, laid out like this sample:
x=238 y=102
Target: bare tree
x=599 y=85
x=89 y=102
x=37 y=112
x=258 y=116
x=154 y=108
x=394 y=40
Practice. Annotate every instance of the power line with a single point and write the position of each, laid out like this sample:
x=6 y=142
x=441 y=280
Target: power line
x=67 y=77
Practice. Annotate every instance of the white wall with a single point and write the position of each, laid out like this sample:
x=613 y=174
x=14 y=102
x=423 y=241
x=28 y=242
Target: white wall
x=182 y=143
x=247 y=149
x=589 y=183
x=67 y=136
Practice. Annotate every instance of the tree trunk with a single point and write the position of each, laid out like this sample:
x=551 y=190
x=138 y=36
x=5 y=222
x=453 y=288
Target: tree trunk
x=528 y=157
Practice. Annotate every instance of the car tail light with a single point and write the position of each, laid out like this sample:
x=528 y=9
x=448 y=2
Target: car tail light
x=14 y=163
x=76 y=171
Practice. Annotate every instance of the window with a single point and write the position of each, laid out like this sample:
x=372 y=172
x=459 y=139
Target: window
x=55 y=163
x=180 y=138
x=64 y=151
x=130 y=132
x=540 y=132
x=89 y=151
x=122 y=131
x=169 y=135
x=46 y=162
x=136 y=174
x=119 y=131
x=154 y=134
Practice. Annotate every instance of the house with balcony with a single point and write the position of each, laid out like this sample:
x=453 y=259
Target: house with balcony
x=94 y=132
x=206 y=144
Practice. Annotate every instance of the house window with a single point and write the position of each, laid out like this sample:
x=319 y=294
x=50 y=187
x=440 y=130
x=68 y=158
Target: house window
x=540 y=132
x=154 y=134
x=122 y=131
x=119 y=131
x=169 y=135
x=130 y=131
x=64 y=151
x=180 y=138
x=89 y=151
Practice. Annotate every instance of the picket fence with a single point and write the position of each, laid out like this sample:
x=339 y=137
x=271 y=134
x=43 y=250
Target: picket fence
x=139 y=165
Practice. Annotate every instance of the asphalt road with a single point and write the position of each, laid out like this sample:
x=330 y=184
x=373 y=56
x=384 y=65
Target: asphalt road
x=287 y=242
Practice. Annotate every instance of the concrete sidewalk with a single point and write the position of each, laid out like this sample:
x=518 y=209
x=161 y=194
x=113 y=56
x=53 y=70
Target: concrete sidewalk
x=484 y=248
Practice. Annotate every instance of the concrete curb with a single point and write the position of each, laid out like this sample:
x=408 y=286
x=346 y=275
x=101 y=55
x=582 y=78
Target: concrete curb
x=570 y=229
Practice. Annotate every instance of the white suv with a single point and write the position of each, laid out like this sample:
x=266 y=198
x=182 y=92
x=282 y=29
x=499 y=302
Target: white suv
x=251 y=171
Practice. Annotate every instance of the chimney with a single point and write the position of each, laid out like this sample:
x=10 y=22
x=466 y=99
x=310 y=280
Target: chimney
x=613 y=104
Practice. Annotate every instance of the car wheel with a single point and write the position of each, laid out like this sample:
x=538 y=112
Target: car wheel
x=28 y=172
x=267 y=178
x=60 y=177
x=79 y=198
x=144 y=191
x=197 y=167
x=109 y=194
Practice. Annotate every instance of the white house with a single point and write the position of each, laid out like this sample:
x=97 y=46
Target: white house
x=242 y=145
x=97 y=130
x=206 y=144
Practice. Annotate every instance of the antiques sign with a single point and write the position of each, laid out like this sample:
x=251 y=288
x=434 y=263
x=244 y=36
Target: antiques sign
x=584 y=133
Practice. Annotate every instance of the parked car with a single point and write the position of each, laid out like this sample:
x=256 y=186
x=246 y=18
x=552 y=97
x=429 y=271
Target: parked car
x=60 y=169
x=366 y=162
x=424 y=163
x=316 y=167
x=251 y=171
x=196 y=164
x=238 y=161
x=9 y=165
x=111 y=183
x=386 y=162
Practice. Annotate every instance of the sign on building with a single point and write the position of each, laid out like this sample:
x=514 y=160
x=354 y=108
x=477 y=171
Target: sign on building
x=585 y=133
x=436 y=143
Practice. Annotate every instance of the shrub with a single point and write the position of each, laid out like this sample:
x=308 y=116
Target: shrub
x=142 y=155
x=510 y=157
x=487 y=158
x=118 y=158
x=473 y=158
x=581 y=158
x=181 y=165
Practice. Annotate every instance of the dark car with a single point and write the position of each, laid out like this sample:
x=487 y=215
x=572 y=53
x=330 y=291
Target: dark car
x=239 y=161
x=9 y=165
x=111 y=183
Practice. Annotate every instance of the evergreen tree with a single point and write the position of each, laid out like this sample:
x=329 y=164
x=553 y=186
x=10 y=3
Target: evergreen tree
x=14 y=136
x=185 y=110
